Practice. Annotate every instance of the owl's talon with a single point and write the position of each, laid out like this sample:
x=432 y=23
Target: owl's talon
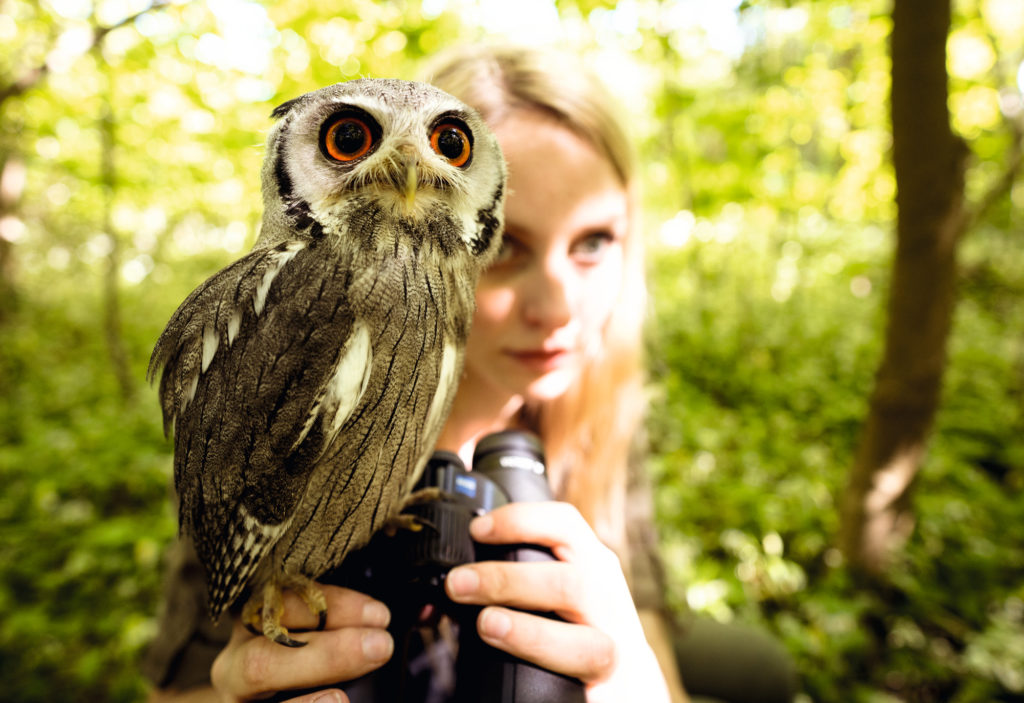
x=321 y=622
x=252 y=628
x=423 y=495
x=413 y=523
x=405 y=521
x=287 y=641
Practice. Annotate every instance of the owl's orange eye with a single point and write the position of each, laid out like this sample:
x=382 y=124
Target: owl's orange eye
x=347 y=138
x=452 y=141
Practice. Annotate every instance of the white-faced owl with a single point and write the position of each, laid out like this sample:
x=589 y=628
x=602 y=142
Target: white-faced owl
x=307 y=382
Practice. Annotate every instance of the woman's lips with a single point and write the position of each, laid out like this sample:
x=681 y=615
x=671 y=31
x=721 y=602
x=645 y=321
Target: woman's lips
x=539 y=359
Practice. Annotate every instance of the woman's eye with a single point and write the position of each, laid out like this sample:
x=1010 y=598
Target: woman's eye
x=591 y=247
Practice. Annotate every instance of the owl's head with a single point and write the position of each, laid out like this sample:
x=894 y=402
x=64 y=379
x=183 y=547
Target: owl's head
x=385 y=149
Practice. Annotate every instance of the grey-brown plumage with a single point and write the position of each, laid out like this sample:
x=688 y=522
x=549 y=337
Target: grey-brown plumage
x=307 y=382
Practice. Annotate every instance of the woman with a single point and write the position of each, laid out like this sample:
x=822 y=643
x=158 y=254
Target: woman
x=555 y=348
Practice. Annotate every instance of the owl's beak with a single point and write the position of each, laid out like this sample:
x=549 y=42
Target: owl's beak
x=411 y=179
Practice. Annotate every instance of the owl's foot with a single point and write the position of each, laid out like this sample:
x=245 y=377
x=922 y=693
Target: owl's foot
x=261 y=615
x=423 y=495
x=413 y=523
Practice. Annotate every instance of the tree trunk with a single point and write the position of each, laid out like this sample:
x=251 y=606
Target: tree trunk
x=111 y=286
x=929 y=162
x=12 y=185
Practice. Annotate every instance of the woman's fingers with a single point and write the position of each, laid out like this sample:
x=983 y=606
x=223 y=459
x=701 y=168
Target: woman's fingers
x=544 y=586
x=251 y=667
x=575 y=650
x=556 y=525
x=585 y=587
x=579 y=587
x=325 y=696
x=353 y=643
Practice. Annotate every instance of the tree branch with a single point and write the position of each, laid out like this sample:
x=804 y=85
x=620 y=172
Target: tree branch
x=1015 y=161
x=1004 y=183
x=33 y=76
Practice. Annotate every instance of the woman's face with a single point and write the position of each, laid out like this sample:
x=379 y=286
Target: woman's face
x=546 y=299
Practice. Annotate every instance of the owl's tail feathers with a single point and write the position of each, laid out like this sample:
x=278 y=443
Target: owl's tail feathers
x=261 y=615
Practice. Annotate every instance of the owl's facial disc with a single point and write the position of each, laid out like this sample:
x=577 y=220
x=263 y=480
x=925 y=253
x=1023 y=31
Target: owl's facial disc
x=394 y=153
x=351 y=136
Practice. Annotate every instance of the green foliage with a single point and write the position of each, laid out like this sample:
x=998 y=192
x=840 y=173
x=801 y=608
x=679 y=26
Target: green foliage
x=762 y=390
x=84 y=514
x=764 y=142
x=768 y=289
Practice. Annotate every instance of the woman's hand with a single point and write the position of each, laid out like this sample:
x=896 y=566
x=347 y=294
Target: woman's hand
x=354 y=642
x=601 y=643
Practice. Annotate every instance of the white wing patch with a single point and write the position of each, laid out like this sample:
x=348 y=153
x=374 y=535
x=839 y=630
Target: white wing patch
x=259 y=298
x=342 y=392
x=347 y=385
x=211 y=341
x=445 y=386
x=190 y=396
x=446 y=383
x=234 y=324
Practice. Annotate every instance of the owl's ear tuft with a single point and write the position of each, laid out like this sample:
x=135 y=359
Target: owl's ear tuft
x=282 y=109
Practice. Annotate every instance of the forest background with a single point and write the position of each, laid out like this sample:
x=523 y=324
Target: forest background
x=130 y=144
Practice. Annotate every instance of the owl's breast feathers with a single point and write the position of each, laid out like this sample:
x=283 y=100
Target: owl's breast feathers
x=306 y=388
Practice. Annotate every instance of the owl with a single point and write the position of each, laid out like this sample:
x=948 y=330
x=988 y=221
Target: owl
x=307 y=382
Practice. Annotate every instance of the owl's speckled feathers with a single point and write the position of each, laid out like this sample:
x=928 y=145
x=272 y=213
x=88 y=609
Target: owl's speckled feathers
x=307 y=382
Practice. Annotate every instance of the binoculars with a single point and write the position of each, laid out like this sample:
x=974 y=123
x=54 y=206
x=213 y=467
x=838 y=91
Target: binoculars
x=407 y=570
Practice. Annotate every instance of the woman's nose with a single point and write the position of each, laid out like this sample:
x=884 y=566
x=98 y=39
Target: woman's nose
x=547 y=298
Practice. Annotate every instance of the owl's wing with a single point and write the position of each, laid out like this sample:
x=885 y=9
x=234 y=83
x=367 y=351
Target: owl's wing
x=262 y=365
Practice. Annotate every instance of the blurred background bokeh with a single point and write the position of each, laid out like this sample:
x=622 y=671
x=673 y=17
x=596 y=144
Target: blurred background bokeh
x=131 y=137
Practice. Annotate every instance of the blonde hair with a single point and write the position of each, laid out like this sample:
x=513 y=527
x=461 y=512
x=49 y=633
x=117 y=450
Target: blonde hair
x=590 y=430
